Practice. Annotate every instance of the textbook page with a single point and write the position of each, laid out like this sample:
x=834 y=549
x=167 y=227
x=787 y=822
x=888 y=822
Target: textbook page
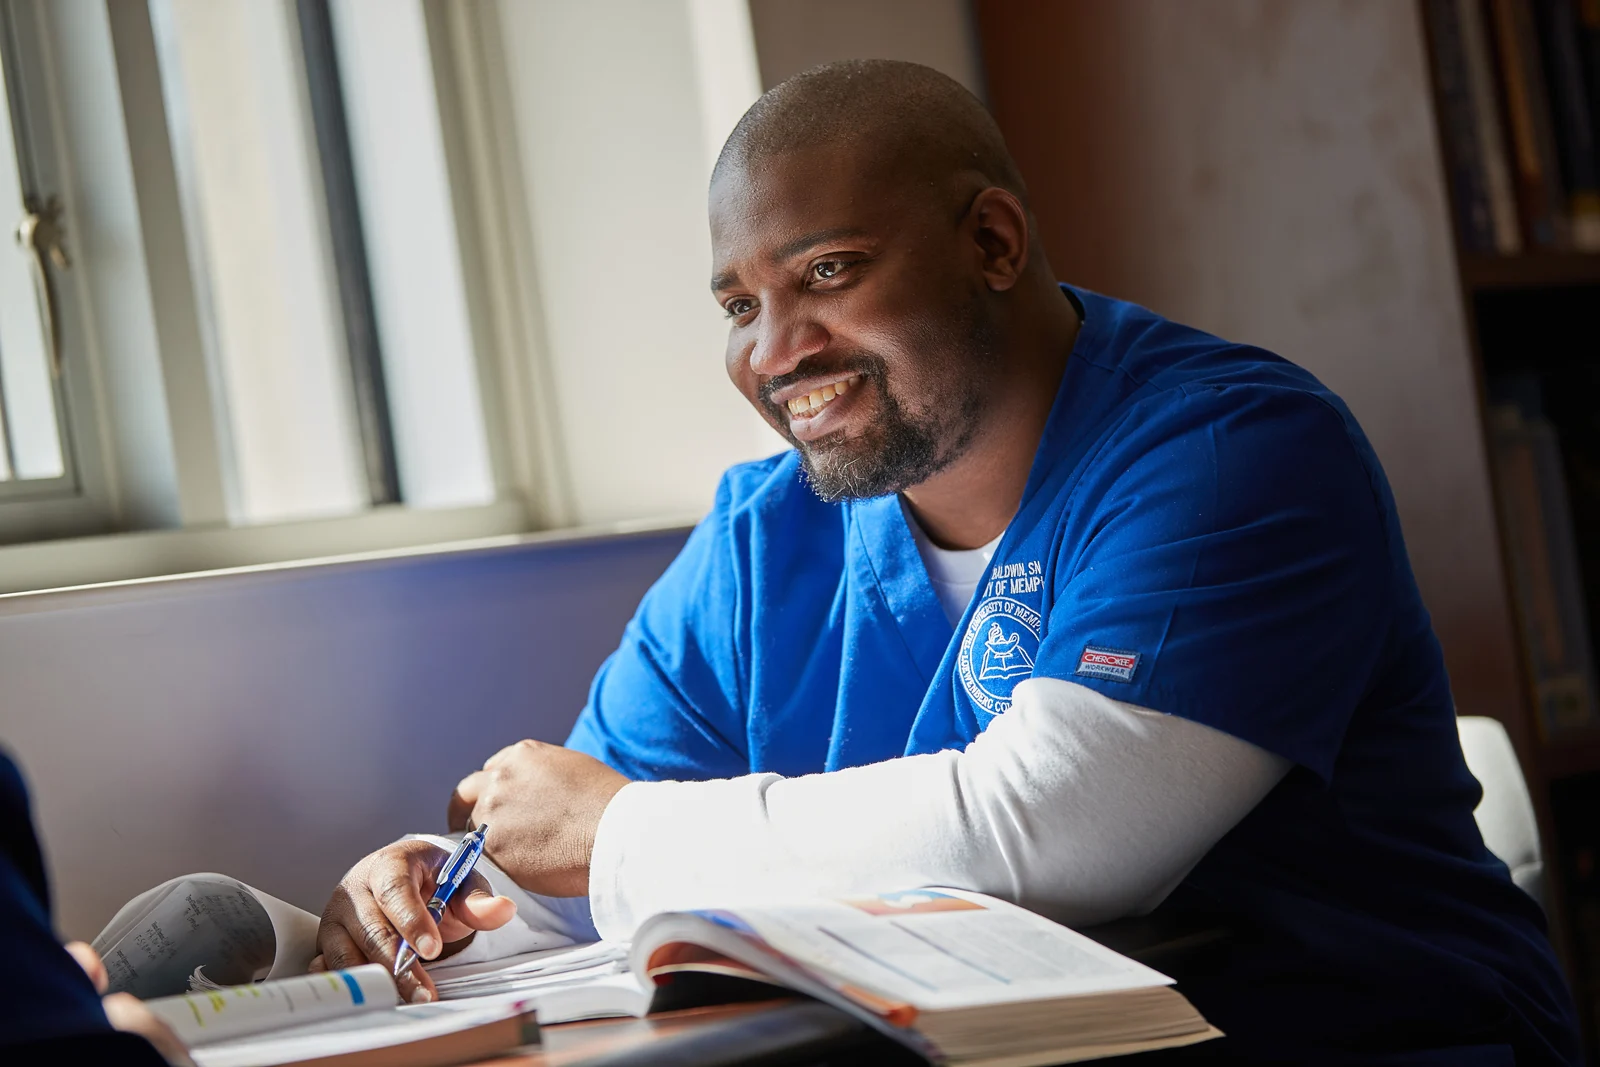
x=205 y=930
x=931 y=949
x=206 y=1018
x=469 y=1032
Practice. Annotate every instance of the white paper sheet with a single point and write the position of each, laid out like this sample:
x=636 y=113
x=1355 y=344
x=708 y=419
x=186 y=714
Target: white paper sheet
x=236 y=934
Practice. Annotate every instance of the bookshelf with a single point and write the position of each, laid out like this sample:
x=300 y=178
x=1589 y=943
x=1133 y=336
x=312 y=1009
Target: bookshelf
x=1274 y=174
x=1577 y=754
x=1528 y=260
x=1483 y=272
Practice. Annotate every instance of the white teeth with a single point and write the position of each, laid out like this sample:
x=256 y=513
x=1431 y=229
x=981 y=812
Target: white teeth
x=814 y=400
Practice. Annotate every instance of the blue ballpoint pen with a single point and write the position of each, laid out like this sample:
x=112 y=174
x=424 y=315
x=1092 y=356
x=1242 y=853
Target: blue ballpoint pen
x=451 y=875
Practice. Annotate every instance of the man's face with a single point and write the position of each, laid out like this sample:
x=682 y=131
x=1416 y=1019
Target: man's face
x=858 y=319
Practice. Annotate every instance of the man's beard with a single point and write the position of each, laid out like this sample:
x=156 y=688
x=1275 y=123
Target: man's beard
x=901 y=450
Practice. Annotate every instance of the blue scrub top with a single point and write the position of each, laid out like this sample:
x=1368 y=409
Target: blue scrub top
x=1206 y=532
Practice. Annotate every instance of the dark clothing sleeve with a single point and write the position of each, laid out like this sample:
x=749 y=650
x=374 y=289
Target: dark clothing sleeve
x=49 y=1010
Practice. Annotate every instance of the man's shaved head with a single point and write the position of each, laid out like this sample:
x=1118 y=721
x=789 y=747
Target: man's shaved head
x=922 y=123
x=874 y=256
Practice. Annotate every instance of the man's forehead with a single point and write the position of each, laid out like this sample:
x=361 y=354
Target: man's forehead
x=774 y=214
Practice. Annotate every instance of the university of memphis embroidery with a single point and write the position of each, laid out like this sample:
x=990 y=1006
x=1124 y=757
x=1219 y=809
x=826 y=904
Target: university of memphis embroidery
x=998 y=651
x=1111 y=663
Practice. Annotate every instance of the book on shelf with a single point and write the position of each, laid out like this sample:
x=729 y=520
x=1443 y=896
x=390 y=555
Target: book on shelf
x=959 y=977
x=1474 y=141
x=1463 y=150
x=1518 y=91
x=1574 y=118
x=1491 y=139
x=1533 y=154
x=1547 y=581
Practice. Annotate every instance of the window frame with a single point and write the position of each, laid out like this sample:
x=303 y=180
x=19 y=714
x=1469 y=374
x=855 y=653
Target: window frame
x=79 y=500
x=150 y=497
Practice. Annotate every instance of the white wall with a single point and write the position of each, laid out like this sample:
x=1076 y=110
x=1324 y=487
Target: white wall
x=608 y=109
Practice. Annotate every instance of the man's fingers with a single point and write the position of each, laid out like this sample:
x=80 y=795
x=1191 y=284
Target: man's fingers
x=317 y=965
x=416 y=987
x=463 y=800
x=375 y=939
x=504 y=754
x=339 y=950
x=335 y=937
x=479 y=909
x=402 y=914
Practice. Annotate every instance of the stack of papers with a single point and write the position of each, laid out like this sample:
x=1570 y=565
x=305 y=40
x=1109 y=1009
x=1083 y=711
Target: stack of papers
x=529 y=971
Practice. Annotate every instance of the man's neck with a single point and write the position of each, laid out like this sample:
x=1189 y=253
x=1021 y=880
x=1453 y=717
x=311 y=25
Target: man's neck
x=970 y=502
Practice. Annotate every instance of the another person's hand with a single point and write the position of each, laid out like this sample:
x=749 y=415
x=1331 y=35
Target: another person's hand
x=127 y=1012
x=542 y=804
x=384 y=898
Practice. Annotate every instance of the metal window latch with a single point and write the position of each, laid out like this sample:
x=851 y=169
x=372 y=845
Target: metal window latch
x=40 y=233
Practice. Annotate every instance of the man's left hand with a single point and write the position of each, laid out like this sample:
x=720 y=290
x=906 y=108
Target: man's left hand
x=543 y=805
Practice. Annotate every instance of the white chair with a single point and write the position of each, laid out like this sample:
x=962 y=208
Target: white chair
x=1505 y=814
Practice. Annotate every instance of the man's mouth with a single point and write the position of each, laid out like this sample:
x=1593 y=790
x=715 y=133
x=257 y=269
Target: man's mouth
x=808 y=404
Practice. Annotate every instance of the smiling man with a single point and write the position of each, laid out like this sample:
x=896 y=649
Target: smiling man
x=1052 y=598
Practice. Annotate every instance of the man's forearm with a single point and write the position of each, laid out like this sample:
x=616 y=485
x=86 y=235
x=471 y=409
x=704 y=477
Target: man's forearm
x=1072 y=804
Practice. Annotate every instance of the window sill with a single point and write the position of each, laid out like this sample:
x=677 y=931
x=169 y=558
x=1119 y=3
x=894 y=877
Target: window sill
x=181 y=555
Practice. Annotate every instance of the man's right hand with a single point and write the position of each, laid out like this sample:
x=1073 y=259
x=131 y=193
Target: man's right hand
x=384 y=898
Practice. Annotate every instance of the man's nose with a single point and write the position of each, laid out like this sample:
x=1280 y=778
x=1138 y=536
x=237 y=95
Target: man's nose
x=783 y=341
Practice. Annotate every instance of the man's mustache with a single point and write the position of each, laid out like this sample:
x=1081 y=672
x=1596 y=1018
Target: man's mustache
x=863 y=363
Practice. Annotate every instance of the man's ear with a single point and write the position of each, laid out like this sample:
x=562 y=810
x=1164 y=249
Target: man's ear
x=1000 y=229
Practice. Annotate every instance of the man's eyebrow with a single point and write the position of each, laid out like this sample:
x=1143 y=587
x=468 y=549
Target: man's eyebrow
x=789 y=249
x=807 y=241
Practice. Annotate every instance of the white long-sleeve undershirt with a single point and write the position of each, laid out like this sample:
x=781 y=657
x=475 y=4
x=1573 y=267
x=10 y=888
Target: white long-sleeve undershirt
x=1071 y=804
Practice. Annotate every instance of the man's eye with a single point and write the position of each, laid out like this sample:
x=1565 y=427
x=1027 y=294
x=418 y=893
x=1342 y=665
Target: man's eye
x=828 y=268
x=738 y=307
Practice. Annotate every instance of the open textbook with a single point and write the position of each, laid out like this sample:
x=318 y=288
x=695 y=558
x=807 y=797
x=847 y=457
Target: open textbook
x=960 y=977
x=351 y=1018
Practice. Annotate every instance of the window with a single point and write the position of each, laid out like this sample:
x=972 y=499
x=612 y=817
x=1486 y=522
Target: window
x=33 y=451
x=310 y=163
x=246 y=300
x=49 y=482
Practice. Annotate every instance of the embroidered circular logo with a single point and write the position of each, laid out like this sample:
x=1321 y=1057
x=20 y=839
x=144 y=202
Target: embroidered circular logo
x=997 y=652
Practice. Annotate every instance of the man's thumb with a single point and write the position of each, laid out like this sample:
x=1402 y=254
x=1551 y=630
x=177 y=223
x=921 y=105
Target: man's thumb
x=482 y=910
